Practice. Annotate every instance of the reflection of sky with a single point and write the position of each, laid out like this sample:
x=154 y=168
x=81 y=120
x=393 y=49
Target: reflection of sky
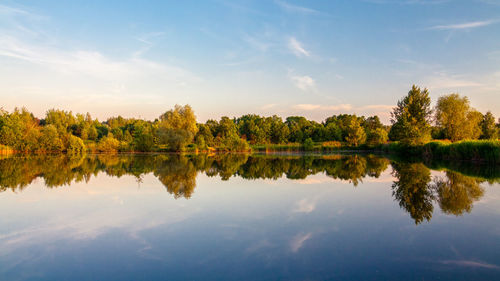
x=317 y=228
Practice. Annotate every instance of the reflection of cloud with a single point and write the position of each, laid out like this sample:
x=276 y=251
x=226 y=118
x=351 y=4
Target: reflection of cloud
x=469 y=263
x=258 y=246
x=298 y=241
x=87 y=227
x=305 y=206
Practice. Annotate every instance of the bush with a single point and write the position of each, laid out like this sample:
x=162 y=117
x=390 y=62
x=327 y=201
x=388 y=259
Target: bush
x=108 y=145
x=308 y=144
x=234 y=143
x=75 y=145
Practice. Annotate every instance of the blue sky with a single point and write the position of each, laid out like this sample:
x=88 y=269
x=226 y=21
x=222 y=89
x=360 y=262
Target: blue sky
x=311 y=58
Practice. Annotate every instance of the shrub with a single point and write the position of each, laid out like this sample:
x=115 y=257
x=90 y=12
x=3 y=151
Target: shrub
x=234 y=143
x=75 y=145
x=108 y=145
x=308 y=144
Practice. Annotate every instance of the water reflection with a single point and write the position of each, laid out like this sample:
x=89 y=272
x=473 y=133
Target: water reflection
x=414 y=188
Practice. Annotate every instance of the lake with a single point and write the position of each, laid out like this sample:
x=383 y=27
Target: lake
x=247 y=217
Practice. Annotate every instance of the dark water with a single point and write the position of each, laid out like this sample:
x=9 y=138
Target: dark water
x=240 y=217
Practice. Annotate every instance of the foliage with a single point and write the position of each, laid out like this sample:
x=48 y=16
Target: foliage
x=308 y=144
x=478 y=150
x=355 y=133
x=177 y=127
x=410 y=118
x=377 y=136
x=488 y=126
x=75 y=145
x=457 y=119
x=108 y=144
x=50 y=140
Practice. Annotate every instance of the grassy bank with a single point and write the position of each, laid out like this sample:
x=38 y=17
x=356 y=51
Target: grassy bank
x=487 y=151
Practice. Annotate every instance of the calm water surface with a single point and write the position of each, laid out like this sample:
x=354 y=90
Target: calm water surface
x=240 y=217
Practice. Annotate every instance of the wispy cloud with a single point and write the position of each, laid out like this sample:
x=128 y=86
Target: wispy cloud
x=466 y=25
x=297 y=49
x=257 y=43
x=268 y=106
x=305 y=83
x=312 y=107
x=409 y=2
x=442 y=80
x=92 y=63
x=295 y=8
x=5 y=10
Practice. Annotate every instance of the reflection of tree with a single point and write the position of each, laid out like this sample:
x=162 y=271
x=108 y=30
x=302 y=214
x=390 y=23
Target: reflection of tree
x=353 y=169
x=412 y=190
x=457 y=193
x=376 y=165
x=178 y=174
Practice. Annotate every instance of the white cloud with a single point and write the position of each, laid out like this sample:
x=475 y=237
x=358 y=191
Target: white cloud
x=311 y=107
x=466 y=25
x=295 y=8
x=268 y=106
x=442 y=80
x=297 y=49
x=305 y=83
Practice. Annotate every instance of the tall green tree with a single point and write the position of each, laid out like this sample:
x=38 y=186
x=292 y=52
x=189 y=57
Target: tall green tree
x=411 y=116
x=489 y=128
x=355 y=133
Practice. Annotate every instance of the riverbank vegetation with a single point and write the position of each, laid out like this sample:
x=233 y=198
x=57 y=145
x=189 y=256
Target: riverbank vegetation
x=414 y=127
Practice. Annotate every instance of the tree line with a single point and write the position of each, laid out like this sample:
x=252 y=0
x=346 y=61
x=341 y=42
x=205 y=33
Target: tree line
x=413 y=122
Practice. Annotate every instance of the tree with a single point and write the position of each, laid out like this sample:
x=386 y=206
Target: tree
x=490 y=131
x=377 y=136
x=177 y=127
x=108 y=144
x=279 y=131
x=410 y=118
x=49 y=140
x=204 y=133
x=457 y=119
x=308 y=144
x=75 y=145
x=62 y=120
x=226 y=128
x=355 y=133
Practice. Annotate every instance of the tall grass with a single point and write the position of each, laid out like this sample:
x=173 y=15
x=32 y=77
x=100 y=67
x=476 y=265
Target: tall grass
x=474 y=150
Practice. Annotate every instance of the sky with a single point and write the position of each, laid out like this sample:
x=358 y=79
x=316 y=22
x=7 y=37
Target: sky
x=229 y=58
